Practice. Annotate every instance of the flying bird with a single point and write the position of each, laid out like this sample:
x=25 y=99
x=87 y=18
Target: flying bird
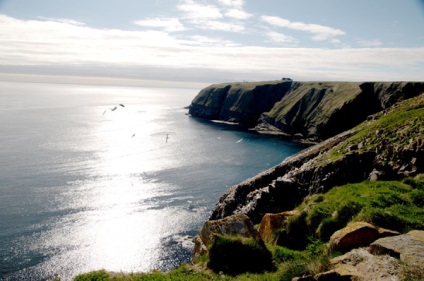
x=113 y=108
x=239 y=141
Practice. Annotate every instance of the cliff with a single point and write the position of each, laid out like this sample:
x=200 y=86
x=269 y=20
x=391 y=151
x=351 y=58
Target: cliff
x=308 y=110
x=387 y=146
x=241 y=103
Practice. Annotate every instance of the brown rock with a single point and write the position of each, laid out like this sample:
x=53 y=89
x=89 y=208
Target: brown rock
x=235 y=225
x=408 y=247
x=272 y=222
x=355 y=235
x=382 y=232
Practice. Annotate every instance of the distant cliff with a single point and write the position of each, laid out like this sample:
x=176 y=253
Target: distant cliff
x=307 y=110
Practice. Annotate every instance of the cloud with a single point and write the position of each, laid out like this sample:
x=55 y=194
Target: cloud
x=193 y=10
x=238 y=4
x=211 y=17
x=234 y=9
x=319 y=32
x=370 y=43
x=167 y=24
x=218 y=25
x=238 y=14
x=65 y=44
x=281 y=38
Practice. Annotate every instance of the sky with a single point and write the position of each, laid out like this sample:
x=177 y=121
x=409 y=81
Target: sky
x=214 y=41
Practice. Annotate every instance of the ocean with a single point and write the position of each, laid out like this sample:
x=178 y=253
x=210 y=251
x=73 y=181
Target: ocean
x=110 y=177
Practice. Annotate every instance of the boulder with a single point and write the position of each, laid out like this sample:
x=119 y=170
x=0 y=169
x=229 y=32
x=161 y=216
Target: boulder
x=359 y=264
x=354 y=235
x=408 y=247
x=235 y=225
x=272 y=222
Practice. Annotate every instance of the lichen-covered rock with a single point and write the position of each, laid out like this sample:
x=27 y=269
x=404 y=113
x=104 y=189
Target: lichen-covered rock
x=354 y=235
x=408 y=247
x=272 y=222
x=359 y=265
x=236 y=225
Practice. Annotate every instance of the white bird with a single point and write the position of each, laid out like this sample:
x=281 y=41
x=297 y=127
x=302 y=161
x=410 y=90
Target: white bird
x=239 y=140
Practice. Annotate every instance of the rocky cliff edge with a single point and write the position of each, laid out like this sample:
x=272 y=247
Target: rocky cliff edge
x=311 y=111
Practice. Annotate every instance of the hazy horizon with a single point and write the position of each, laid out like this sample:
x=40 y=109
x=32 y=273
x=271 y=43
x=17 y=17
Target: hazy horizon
x=213 y=41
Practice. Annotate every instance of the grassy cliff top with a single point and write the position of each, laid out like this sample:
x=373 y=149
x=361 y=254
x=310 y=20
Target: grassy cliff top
x=246 y=85
x=399 y=128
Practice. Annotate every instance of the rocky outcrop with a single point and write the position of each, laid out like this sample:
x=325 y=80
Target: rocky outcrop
x=272 y=222
x=360 y=265
x=393 y=258
x=356 y=235
x=236 y=225
x=233 y=246
x=408 y=247
x=390 y=142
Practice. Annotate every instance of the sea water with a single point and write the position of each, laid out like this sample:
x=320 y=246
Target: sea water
x=89 y=184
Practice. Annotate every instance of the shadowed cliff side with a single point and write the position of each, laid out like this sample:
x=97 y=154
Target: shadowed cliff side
x=388 y=146
x=241 y=103
x=312 y=111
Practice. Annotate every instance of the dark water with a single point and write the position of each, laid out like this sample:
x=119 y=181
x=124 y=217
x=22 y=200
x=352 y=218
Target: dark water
x=84 y=187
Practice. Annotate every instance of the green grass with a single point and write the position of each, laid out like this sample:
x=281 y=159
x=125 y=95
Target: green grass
x=388 y=204
x=401 y=127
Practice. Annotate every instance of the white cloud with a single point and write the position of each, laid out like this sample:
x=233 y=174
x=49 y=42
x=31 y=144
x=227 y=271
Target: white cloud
x=238 y=14
x=281 y=38
x=218 y=25
x=319 y=32
x=167 y=24
x=56 y=44
x=210 y=17
x=238 y=4
x=193 y=10
x=204 y=41
x=370 y=43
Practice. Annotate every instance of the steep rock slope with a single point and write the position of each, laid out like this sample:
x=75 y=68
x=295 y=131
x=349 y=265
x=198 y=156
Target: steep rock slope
x=307 y=110
x=241 y=103
x=389 y=145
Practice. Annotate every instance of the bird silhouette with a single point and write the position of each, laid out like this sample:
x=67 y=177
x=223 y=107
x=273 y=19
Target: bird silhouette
x=113 y=108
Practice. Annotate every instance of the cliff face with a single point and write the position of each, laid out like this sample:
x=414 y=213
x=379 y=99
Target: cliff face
x=241 y=103
x=388 y=146
x=307 y=110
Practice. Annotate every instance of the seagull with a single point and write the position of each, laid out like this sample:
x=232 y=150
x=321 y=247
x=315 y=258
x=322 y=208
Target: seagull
x=239 y=141
x=113 y=108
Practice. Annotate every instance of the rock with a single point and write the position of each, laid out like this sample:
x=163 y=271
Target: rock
x=376 y=175
x=354 y=235
x=341 y=273
x=236 y=225
x=272 y=222
x=408 y=247
x=359 y=264
x=382 y=232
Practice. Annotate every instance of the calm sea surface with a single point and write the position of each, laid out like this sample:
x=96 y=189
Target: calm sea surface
x=84 y=187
